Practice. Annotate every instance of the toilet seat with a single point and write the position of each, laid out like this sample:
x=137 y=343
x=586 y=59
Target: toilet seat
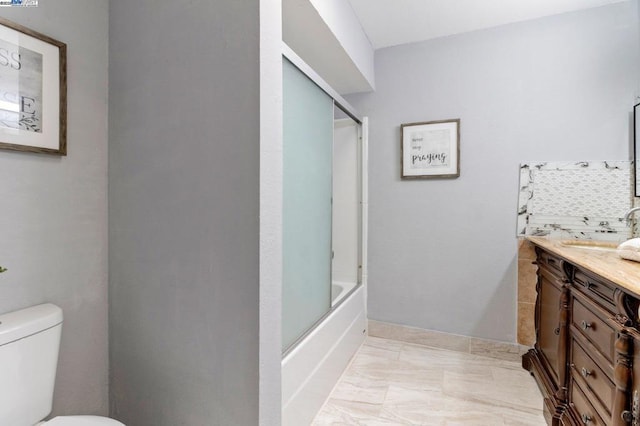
x=82 y=421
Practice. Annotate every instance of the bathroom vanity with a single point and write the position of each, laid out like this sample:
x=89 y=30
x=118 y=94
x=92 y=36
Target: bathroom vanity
x=586 y=358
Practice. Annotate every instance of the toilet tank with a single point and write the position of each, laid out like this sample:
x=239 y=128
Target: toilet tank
x=29 y=343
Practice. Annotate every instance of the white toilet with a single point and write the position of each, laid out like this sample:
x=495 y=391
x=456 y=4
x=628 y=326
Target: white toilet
x=29 y=344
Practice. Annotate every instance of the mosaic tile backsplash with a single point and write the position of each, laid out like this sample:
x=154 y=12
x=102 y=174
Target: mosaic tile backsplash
x=581 y=200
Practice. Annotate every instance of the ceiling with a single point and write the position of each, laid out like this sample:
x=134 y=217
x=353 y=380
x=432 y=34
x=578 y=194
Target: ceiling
x=393 y=22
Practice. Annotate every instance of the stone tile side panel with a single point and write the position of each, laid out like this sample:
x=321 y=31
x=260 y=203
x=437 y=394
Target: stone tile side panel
x=527 y=279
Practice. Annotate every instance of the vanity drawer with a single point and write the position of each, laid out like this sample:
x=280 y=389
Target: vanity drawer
x=550 y=261
x=595 y=288
x=589 y=321
x=552 y=276
x=584 y=369
x=583 y=409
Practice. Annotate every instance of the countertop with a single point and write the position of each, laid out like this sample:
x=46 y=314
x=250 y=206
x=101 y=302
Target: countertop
x=606 y=263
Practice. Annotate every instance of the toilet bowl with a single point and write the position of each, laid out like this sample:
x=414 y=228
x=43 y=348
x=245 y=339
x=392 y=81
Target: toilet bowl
x=81 y=421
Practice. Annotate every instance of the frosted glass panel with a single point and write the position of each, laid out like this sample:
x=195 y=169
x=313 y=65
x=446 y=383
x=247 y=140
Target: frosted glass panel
x=308 y=139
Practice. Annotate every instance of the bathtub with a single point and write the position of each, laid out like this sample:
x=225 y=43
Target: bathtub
x=339 y=290
x=313 y=367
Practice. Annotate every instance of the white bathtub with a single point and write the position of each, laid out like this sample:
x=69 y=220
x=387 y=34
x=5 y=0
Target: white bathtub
x=312 y=368
x=339 y=290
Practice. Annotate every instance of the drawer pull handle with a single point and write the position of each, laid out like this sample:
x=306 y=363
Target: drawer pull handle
x=626 y=416
x=586 y=419
x=585 y=373
x=585 y=325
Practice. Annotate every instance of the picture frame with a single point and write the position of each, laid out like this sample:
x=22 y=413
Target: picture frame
x=430 y=149
x=33 y=91
x=636 y=148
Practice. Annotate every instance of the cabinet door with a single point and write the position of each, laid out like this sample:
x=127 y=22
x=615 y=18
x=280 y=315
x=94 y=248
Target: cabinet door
x=549 y=323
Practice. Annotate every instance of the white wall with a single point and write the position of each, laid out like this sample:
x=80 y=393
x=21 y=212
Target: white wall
x=344 y=24
x=271 y=97
x=443 y=252
x=327 y=35
x=53 y=225
x=184 y=213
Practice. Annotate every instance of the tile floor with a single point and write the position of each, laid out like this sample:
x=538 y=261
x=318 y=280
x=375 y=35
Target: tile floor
x=396 y=383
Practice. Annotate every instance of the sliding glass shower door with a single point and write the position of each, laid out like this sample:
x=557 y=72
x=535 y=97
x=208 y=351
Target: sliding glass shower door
x=307 y=198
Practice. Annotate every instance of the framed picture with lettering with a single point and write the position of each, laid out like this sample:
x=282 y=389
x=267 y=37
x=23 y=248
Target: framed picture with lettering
x=430 y=149
x=33 y=91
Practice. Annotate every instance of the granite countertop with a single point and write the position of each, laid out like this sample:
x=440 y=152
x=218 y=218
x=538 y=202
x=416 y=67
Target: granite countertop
x=606 y=263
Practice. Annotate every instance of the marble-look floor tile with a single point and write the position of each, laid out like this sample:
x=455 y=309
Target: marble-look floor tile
x=381 y=347
x=409 y=378
x=488 y=392
x=339 y=412
x=424 y=357
x=515 y=376
x=394 y=383
x=370 y=366
x=356 y=388
x=435 y=408
x=517 y=418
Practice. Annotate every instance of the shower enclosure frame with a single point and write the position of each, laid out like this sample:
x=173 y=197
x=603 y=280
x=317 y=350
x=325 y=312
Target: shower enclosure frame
x=343 y=105
x=312 y=364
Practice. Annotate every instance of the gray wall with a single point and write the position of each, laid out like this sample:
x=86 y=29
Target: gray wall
x=183 y=212
x=442 y=253
x=53 y=224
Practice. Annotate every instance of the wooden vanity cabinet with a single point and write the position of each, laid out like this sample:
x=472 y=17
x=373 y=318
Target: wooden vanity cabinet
x=547 y=361
x=586 y=359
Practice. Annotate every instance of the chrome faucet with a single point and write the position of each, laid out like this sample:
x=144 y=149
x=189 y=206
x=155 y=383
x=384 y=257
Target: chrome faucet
x=627 y=216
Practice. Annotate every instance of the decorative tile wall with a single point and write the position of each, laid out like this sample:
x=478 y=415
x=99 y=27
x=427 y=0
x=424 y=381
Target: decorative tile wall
x=582 y=200
x=578 y=200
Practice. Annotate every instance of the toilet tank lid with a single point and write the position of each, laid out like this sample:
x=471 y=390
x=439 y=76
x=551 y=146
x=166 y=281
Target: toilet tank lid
x=26 y=322
x=82 y=421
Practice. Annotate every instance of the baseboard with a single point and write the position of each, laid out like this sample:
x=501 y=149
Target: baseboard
x=453 y=342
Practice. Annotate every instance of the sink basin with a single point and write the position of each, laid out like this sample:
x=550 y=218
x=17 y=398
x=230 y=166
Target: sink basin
x=590 y=244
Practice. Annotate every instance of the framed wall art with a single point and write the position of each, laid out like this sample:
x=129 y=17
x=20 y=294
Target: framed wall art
x=430 y=149
x=33 y=91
